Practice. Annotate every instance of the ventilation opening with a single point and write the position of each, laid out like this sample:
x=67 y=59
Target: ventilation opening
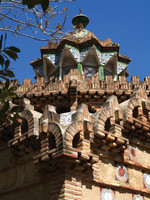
x=52 y=142
x=76 y=140
x=24 y=126
x=107 y=125
x=135 y=112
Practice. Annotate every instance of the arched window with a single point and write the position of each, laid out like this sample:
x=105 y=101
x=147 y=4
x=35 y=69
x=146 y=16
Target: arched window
x=76 y=140
x=52 y=142
x=24 y=126
x=67 y=62
x=90 y=63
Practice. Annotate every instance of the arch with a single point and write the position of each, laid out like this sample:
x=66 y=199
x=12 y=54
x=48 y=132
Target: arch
x=70 y=133
x=55 y=130
x=91 y=63
x=28 y=116
x=101 y=120
x=76 y=140
x=133 y=103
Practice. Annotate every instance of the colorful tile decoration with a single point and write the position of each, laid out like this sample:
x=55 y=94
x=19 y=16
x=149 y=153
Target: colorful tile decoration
x=83 y=53
x=66 y=118
x=80 y=33
x=106 y=57
x=75 y=52
x=99 y=55
x=120 y=67
x=107 y=194
x=121 y=173
x=132 y=152
x=147 y=180
x=137 y=197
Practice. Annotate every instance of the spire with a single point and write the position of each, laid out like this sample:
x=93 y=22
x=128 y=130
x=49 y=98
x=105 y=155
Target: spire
x=80 y=21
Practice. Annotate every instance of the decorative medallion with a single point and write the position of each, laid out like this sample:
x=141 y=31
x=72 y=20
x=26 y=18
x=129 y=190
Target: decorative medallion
x=132 y=152
x=121 y=173
x=147 y=180
x=107 y=194
x=137 y=197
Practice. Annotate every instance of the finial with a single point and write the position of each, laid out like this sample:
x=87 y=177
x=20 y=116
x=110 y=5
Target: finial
x=80 y=21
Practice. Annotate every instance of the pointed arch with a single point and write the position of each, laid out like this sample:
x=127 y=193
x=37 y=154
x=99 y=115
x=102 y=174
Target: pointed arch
x=91 y=63
x=110 y=67
x=67 y=62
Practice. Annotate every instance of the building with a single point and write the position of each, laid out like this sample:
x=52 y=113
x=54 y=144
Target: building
x=85 y=131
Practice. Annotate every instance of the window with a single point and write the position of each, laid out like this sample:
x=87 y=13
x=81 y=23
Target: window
x=89 y=71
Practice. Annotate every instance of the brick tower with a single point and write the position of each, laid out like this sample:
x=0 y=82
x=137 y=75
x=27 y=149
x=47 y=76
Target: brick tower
x=85 y=129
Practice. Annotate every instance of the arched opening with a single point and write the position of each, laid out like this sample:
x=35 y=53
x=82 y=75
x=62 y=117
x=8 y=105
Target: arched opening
x=52 y=142
x=24 y=126
x=90 y=63
x=67 y=62
x=107 y=125
x=135 y=113
x=76 y=140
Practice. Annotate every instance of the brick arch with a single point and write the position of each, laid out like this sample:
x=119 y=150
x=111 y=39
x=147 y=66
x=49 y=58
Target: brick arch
x=28 y=115
x=54 y=129
x=132 y=103
x=70 y=132
x=100 y=121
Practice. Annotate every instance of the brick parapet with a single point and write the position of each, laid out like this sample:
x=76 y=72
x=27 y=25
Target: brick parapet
x=74 y=79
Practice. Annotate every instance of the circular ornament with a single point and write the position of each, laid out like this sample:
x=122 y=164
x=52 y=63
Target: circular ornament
x=121 y=173
x=137 y=197
x=147 y=180
x=107 y=194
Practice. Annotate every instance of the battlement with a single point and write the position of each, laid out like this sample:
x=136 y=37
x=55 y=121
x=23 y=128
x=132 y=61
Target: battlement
x=74 y=78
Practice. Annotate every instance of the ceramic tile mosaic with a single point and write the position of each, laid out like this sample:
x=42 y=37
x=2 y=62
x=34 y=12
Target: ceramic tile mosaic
x=52 y=58
x=107 y=194
x=83 y=53
x=80 y=33
x=120 y=67
x=105 y=57
x=75 y=52
x=66 y=118
x=147 y=180
x=137 y=197
x=121 y=173
x=99 y=55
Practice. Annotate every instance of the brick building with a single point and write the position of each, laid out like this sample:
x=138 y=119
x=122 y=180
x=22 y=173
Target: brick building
x=85 y=131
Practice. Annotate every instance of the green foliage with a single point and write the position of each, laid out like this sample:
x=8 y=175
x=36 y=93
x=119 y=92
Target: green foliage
x=7 y=92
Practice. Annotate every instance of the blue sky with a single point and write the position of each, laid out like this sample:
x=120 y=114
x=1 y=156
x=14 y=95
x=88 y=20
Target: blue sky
x=124 y=22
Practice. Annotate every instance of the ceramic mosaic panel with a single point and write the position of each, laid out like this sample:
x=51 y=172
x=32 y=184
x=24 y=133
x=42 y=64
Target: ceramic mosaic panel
x=75 y=52
x=83 y=53
x=52 y=57
x=120 y=67
x=99 y=55
x=39 y=69
x=147 y=180
x=107 y=194
x=106 y=57
x=80 y=33
x=121 y=173
x=137 y=197
x=66 y=118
